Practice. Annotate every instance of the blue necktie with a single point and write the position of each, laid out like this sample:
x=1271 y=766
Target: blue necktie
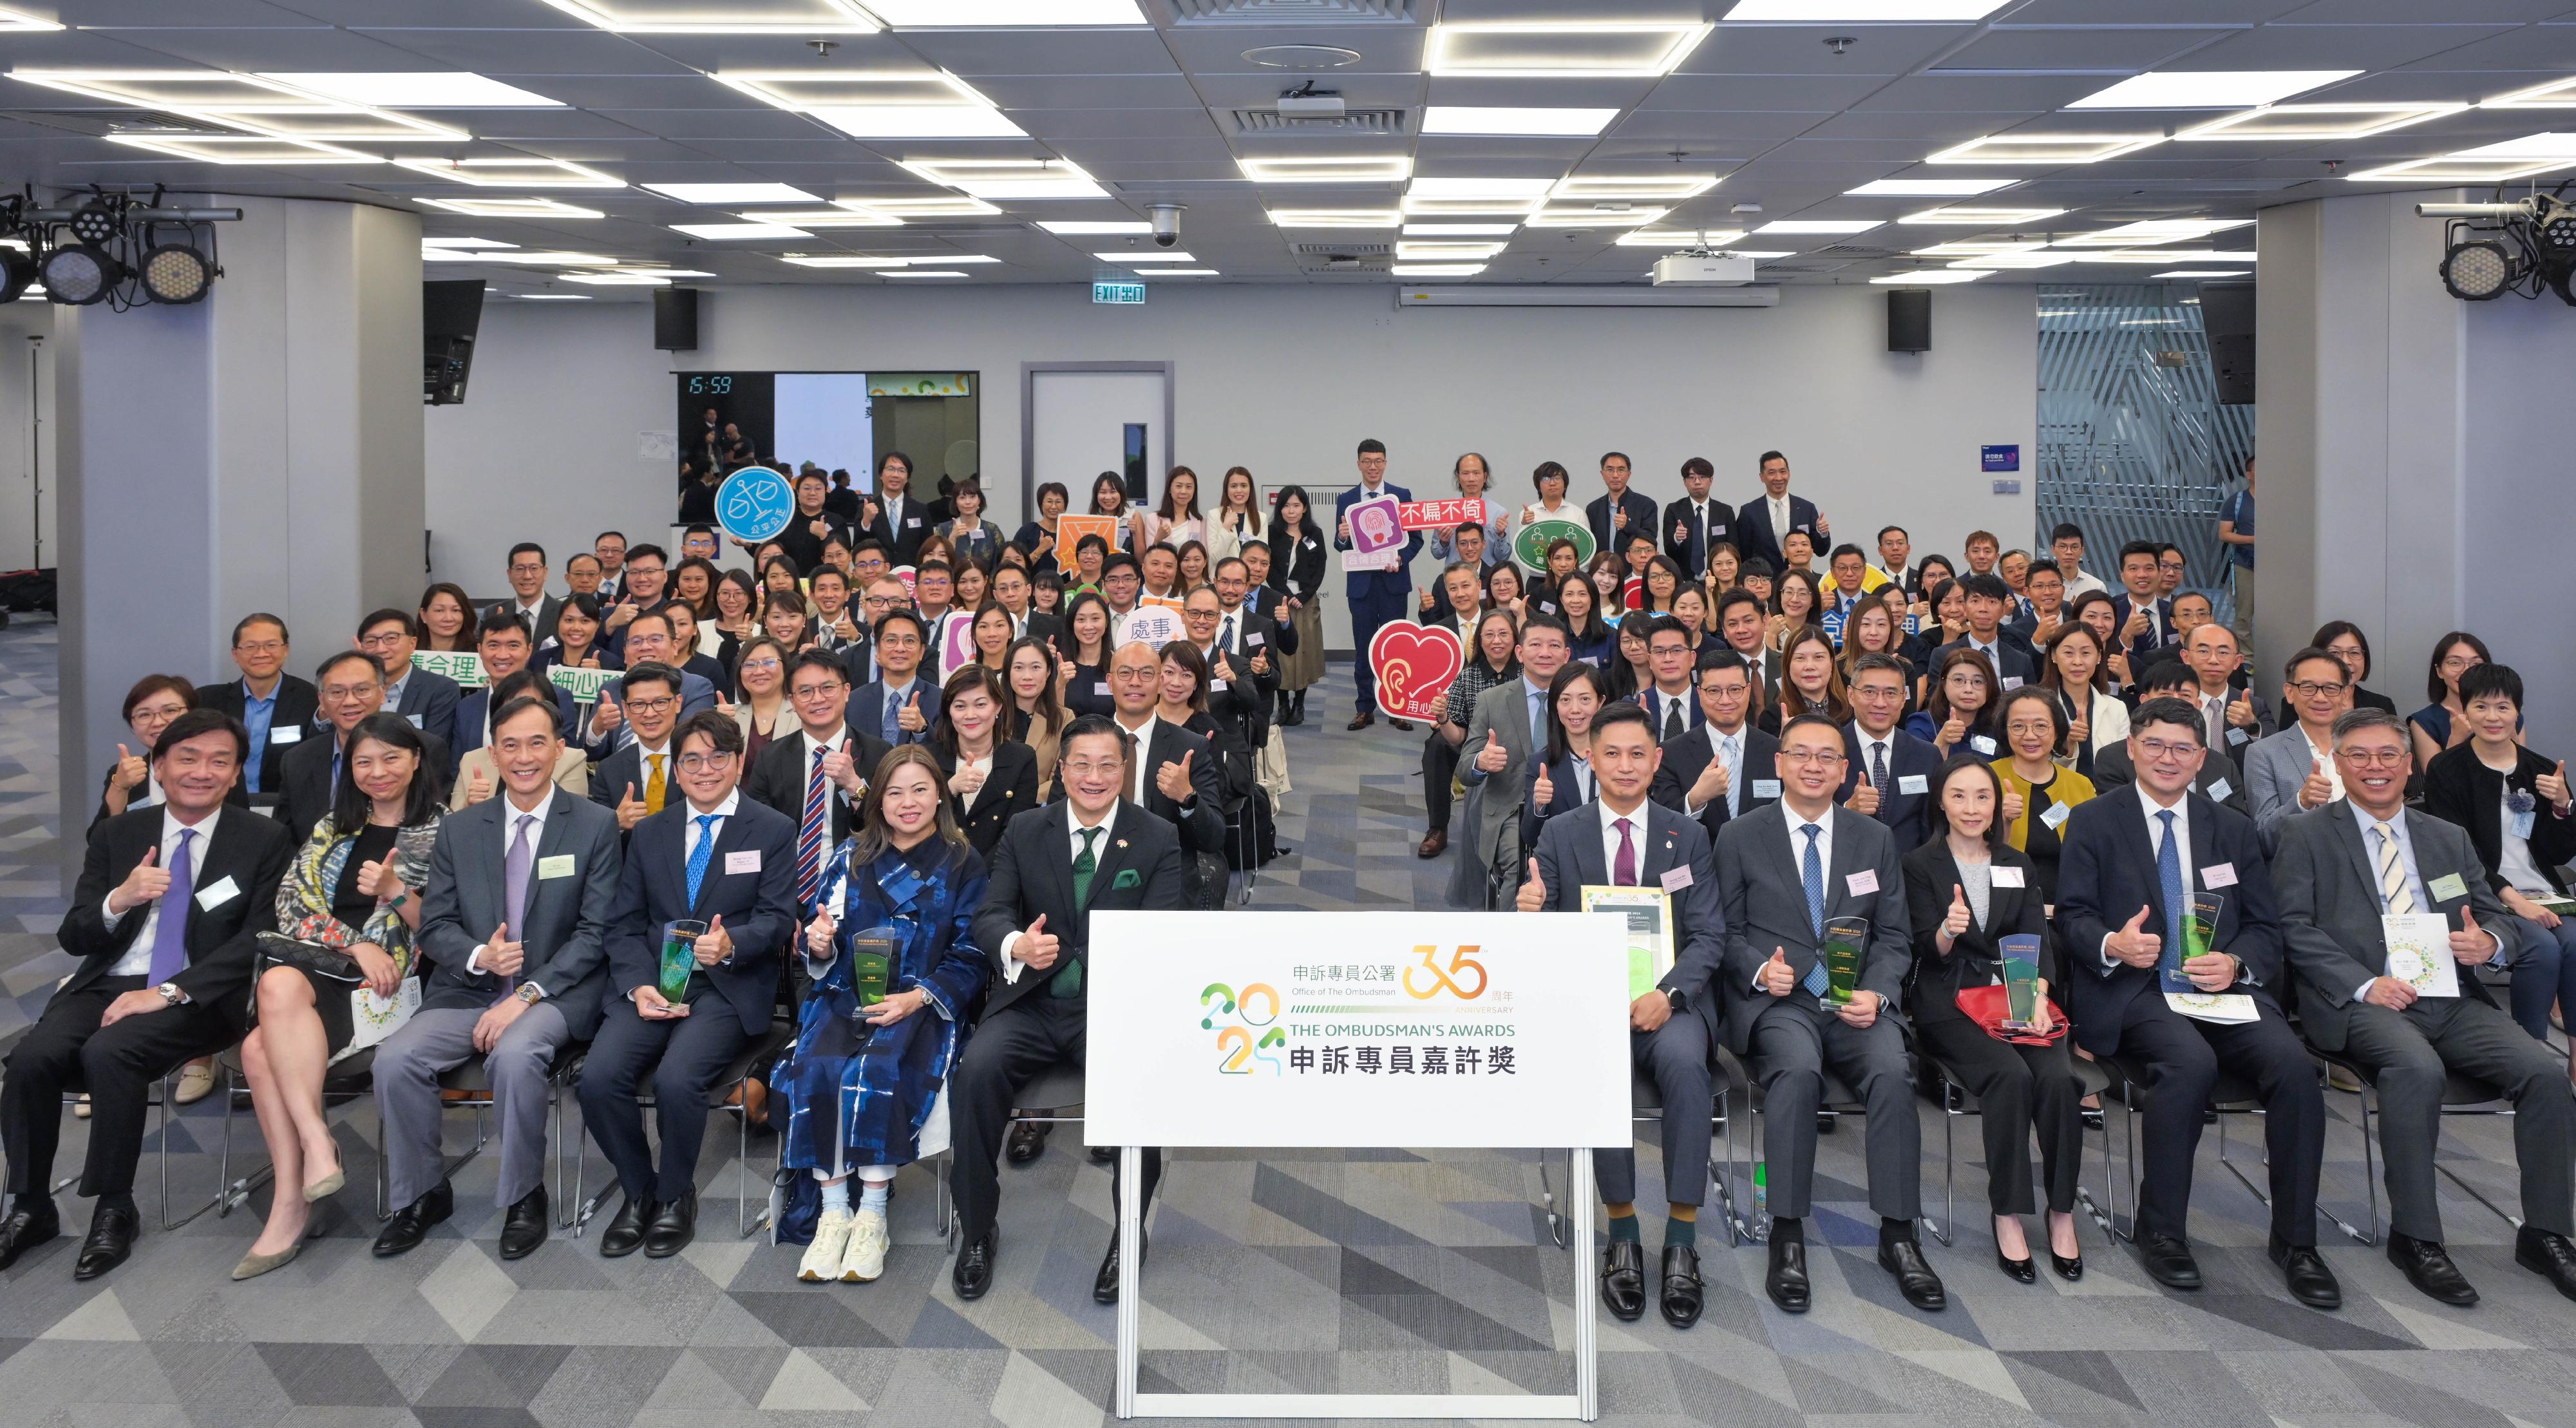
x=1812 y=868
x=701 y=855
x=891 y=729
x=2169 y=874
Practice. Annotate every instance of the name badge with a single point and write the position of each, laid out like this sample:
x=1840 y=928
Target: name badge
x=1676 y=879
x=1717 y=530
x=1252 y=637
x=2522 y=822
x=1913 y=783
x=1801 y=528
x=1101 y=689
x=2447 y=887
x=2220 y=791
x=2218 y=875
x=2011 y=683
x=2056 y=816
x=1217 y=686
x=746 y=861
x=1766 y=788
x=558 y=866
x=285 y=733
x=1981 y=744
x=2237 y=737
x=912 y=523
x=223 y=890
x=2003 y=876
x=1862 y=883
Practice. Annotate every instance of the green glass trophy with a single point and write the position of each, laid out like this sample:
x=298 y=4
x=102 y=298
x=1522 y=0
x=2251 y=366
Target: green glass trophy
x=871 y=965
x=2021 y=980
x=2197 y=937
x=679 y=957
x=1845 y=939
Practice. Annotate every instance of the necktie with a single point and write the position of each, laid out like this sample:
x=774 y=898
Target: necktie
x=1812 y=870
x=1067 y=981
x=892 y=729
x=1225 y=637
x=1878 y=768
x=516 y=865
x=702 y=854
x=1538 y=720
x=2169 y=876
x=1673 y=725
x=1734 y=795
x=170 y=937
x=654 y=792
x=809 y=837
x=2394 y=890
x=2214 y=710
x=1623 y=867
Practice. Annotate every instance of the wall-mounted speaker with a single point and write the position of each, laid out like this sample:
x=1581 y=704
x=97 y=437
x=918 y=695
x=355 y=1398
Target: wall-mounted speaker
x=675 y=319
x=1909 y=319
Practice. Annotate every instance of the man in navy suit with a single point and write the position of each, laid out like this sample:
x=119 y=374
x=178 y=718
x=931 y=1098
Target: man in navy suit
x=1618 y=511
x=2144 y=618
x=424 y=696
x=712 y=857
x=1671 y=705
x=1763 y=522
x=1694 y=523
x=1986 y=598
x=650 y=639
x=900 y=704
x=2132 y=863
x=502 y=644
x=1377 y=597
x=1889 y=776
x=1724 y=768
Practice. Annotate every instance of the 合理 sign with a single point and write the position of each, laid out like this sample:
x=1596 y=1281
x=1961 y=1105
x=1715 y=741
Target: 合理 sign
x=755 y=503
x=466 y=669
x=1119 y=294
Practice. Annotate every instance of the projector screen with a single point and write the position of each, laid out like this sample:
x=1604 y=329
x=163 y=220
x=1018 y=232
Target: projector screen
x=836 y=420
x=825 y=418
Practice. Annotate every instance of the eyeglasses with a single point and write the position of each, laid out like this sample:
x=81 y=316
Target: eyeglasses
x=2167 y=749
x=1090 y=768
x=2311 y=689
x=1821 y=758
x=651 y=706
x=814 y=691
x=526 y=568
x=340 y=692
x=261 y=647
x=2373 y=758
x=1135 y=676
x=762 y=664
x=704 y=763
x=382 y=641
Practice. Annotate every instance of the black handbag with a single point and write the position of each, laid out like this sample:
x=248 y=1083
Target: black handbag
x=278 y=949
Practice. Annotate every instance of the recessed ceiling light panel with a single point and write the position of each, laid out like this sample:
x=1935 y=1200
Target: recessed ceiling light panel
x=1454 y=252
x=1863 y=12
x=731 y=192
x=243 y=149
x=722 y=17
x=822 y=218
x=1559 y=49
x=418 y=89
x=944 y=206
x=958 y=14
x=1354 y=169
x=839 y=260
x=2295 y=122
x=734 y=232
x=1006 y=178
x=1330 y=218
x=2210 y=89
x=510 y=207
x=1465 y=119
x=1620 y=217
x=1934 y=278
x=1790 y=226
x=1096 y=227
x=1164 y=256
x=1929 y=188
x=513 y=173
x=1676 y=238
x=1666 y=187
x=2556 y=94
x=2052 y=149
x=1980 y=217
x=1437 y=270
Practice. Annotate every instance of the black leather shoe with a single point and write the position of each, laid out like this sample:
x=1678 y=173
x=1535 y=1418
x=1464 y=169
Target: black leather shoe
x=411 y=1224
x=2429 y=1268
x=1104 y=1285
x=1402 y=725
x=1027 y=1142
x=2312 y=1284
x=26 y=1227
x=673 y=1226
x=625 y=1232
x=1362 y=722
x=2169 y=1263
x=1914 y=1277
x=1623 y=1280
x=972 y=1274
x=110 y=1240
x=2025 y=1269
x=1103 y=1155
x=525 y=1227
x=1682 y=1286
x=2543 y=1253
x=1786 y=1282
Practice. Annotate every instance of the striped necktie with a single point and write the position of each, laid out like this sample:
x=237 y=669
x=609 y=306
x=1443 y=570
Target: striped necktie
x=2395 y=891
x=810 y=836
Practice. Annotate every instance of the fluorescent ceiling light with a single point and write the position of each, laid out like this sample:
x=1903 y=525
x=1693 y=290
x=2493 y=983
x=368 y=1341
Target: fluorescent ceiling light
x=1935 y=277
x=1669 y=187
x=1172 y=256
x=2162 y=257
x=1334 y=217
x=797 y=18
x=1469 y=119
x=2529 y=146
x=655 y=270
x=18 y=20
x=823 y=218
x=1620 y=217
x=1760 y=254
x=551 y=297
x=1787 y=226
x=1929 y=188
x=2316 y=121
x=2045 y=148
x=729 y=232
x=953 y=258
x=1388 y=168
x=731 y=192
x=1974 y=247
x=840 y=260
x=2150 y=232
x=2194 y=273
x=944 y=206
x=2209 y=89
x=2556 y=94
x=2041 y=259
x=942 y=14
x=921 y=273
x=525 y=257
x=1429 y=186
x=1095 y=227
x=1676 y=238
x=247 y=102
x=1437 y=270
x=1006 y=178
x=419 y=89
x=880 y=104
x=1463 y=230
x=1456 y=252
x=510 y=207
x=243 y=149
x=618 y=280
x=465 y=243
x=1980 y=217
x=513 y=173
x=1864 y=11
x=1558 y=49
x=1176 y=273
x=2454 y=169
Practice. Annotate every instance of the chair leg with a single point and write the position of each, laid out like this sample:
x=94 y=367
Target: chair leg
x=1719 y=1172
x=2253 y=1189
x=2474 y=1192
x=2370 y=1184
x=1547 y=1198
x=1759 y=1231
x=170 y=1109
x=1949 y=1169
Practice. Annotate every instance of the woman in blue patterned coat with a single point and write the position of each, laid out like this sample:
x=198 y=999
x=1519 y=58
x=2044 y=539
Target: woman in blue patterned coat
x=895 y=971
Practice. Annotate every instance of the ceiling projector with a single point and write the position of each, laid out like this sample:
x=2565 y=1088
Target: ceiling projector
x=1703 y=270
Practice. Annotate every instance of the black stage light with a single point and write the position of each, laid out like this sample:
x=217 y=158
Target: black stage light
x=95 y=223
x=17 y=272
x=177 y=273
x=2479 y=269
x=77 y=274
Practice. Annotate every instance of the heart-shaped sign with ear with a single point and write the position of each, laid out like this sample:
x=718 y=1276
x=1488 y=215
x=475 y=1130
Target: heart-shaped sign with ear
x=1415 y=665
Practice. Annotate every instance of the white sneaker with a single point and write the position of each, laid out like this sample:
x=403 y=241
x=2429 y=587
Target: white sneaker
x=866 y=1258
x=822 y=1260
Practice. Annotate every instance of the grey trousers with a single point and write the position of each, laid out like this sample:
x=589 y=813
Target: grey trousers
x=1676 y=1056
x=408 y=1065
x=2407 y=1053
x=1793 y=1044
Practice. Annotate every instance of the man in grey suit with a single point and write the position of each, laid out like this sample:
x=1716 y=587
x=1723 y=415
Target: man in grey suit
x=2339 y=869
x=513 y=920
x=2293 y=771
x=1508 y=726
x=1621 y=840
x=1784 y=872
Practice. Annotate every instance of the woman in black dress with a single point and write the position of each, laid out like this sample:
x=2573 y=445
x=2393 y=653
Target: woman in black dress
x=990 y=778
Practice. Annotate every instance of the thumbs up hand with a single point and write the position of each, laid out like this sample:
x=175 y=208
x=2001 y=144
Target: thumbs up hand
x=131 y=771
x=2240 y=710
x=2316 y=790
x=1955 y=924
x=501 y=956
x=2472 y=944
x=1776 y=977
x=909 y=718
x=377 y=880
x=2014 y=804
x=1864 y=799
x=478 y=788
x=1533 y=894
x=715 y=944
x=607 y=716
x=1710 y=786
x=2133 y=944
x=1037 y=947
x=1493 y=758
x=1174 y=779
x=2553 y=786
x=630 y=811
x=145 y=884
x=818 y=937
x=841 y=772
x=1542 y=788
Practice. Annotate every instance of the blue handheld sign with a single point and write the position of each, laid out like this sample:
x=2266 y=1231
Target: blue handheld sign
x=755 y=503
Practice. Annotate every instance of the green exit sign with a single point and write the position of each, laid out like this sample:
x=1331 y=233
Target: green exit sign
x=1119 y=294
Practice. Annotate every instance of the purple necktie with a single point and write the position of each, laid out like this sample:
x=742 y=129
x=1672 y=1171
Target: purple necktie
x=170 y=936
x=515 y=869
x=1623 y=869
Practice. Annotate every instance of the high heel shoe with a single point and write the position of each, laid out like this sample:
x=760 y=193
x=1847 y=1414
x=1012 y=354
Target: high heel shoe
x=2024 y=1269
x=255 y=1265
x=326 y=1187
x=2069 y=1268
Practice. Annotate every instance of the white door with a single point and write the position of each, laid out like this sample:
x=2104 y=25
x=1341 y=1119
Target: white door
x=1084 y=423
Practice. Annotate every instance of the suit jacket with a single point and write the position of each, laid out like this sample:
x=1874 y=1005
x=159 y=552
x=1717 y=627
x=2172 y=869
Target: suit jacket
x=299 y=706
x=1502 y=711
x=901 y=523
x=1766 y=908
x=565 y=928
x=304 y=779
x=549 y=609
x=2461 y=790
x=1686 y=756
x=1641 y=518
x=1202 y=828
x=2146 y=647
x=2106 y=871
x=2328 y=878
x=613 y=775
x=779 y=777
x=1569 y=860
x=857 y=654
x=474 y=717
x=758 y=905
x=1032 y=877
x=252 y=850
x=868 y=707
x=429 y=700
x=1010 y=789
x=1657 y=705
x=2217 y=781
x=2012 y=659
x=1039 y=625
x=1908 y=816
x=1686 y=542
x=2275 y=765
x=1361 y=584
x=1754 y=535
x=1976 y=959
x=696 y=693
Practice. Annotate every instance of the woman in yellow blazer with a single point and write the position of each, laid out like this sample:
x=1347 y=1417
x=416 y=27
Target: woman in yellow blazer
x=2039 y=792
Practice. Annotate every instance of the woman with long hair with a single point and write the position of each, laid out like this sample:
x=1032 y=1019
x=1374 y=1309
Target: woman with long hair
x=737 y=614
x=575 y=642
x=2074 y=673
x=1491 y=660
x=992 y=636
x=1959 y=714
x=1725 y=566
x=1587 y=636
x=1811 y=680
x=693 y=583
x=787 y=621
x=1178 y=519
x=353 y=897
x=991 y=778
x=1793 y=607
x=1109 y=498
x=1237 y=520
x=1187 y=681
x=1629 y=669
x=2443 y=722
x=1036 y=712
x=2094 y=611
x=1194 y=567
x=1297 y=573
x=760 y=678
x=1873 y=630
x=1562 y=780
x=1609 y=581
x=1663 y=582
x=1503 y=589
x=446 y=619
x=892 y=938
x=1086 y=656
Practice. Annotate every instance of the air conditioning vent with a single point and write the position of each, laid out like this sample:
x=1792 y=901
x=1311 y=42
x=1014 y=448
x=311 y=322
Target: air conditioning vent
x=1293 y=12
x=1380 y=251
x=1356 y=123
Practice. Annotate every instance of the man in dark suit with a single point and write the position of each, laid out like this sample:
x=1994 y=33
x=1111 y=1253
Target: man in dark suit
x=2232 y=716
x=1238 y=700
x=352 y=687
x=161 y=922
x=1787 y=873
x=2340 y=869
x=1174 y=774
x=1726 y=767
x=502 y=644
x=1054 y=867
x=651 y=639
x=1622 y=840
x=639 y=780
x=513 y=924
x=1889 y=773
x=2131 y=865
x=715 y=858
x=2143 y=619
x=819 y=777
x=1376 y=596
x=532 y=607
x=1671 y=704
x=274 y=708
x=1694 y=523
x=1986 y=598
x=2217 y=780
x=902 y=702
x=1765 y=521
x=901 y=519
x=1011 y=590
x=1618 y=511
x=424 y=696
x=1253 y=639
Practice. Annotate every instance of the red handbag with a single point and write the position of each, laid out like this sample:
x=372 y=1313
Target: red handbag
x=1988 y=1006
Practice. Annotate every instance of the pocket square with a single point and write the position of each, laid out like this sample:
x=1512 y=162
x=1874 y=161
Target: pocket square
x=1126 y=878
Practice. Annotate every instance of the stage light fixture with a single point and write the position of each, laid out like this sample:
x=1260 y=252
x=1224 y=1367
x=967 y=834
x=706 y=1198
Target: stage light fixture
x=79 y=274
x=177 y=273
x=17 y=274
x=2478 y=269
x=95 y=223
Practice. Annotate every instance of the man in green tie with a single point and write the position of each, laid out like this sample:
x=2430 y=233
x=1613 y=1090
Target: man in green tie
x=1053 y=867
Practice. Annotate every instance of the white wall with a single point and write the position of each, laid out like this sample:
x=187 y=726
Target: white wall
x=1286 y=381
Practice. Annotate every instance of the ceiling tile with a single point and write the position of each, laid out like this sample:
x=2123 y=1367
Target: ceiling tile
x=1102 y=52
x=2078 y=48
x=1801 y=49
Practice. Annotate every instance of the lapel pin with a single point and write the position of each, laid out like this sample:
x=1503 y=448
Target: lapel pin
x=1122 y=842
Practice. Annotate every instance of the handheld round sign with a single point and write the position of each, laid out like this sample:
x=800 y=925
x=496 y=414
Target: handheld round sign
x=1532 y=543
x=1156 y=625
x=1415 y=665
x=755 y=503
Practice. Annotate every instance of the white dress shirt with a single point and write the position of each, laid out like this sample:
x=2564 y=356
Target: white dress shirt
x=1876 y=746
x=1636 y=840
x=1142 y=781
x=1798 y=847
x=2334 y=776
x=137 y=960
x=512 y=815
x=2153 y=812
x=722 y=812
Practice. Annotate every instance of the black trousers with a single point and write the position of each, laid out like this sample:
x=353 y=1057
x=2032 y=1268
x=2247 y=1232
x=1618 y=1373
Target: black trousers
x=684 y=1058
x=1008 y=1050
x=67 y=1050
x=1439 y=766
x=2019 y=1089
x=2181 y=1058
x=1793 y=1046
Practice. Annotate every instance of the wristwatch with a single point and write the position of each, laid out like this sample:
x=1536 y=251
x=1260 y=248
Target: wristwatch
x=171 y=994
x=530 y=993
x=1675 y=997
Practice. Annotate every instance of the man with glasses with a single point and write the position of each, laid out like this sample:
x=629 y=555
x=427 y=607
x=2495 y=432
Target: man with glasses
x=635 y=781
x=1724 y=768
x=1618 y=510
x=1011 y=590
x=726 y=867
x=650 y=640
x=502 y=644
x=2135 y=863
x=899 y=705
x=1787 y=872
x=534 y=609
x=868 y=564
x=1174 y=774
x=424 y=696
x=834 y=623
x=352 y=687
x=1120 y=584
x=1890 y=774
x=609 y=549
x=1506 y=730
x=1378 y=596
x=275 y=708
x=877 y=598
x=583 y=576
x=647 y=571
x=2294 y=771
x=2231 y=716
x=820 y=777
x=2344 y=867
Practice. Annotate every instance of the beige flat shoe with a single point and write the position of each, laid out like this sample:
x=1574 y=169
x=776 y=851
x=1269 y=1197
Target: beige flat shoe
x=255 y=1265
x=196 y=1082
x=80 y=1108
